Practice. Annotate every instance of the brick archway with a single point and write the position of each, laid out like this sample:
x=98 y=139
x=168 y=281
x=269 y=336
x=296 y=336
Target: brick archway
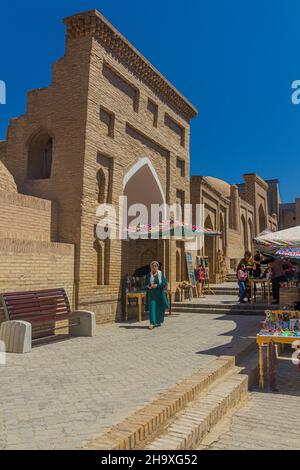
x=141 y=187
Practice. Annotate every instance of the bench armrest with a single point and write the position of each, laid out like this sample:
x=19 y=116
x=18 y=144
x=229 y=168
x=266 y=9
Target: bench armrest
x=16 y=335
x=87 y=326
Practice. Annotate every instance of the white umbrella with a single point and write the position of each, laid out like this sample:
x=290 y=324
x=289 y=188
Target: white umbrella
x=272 y=242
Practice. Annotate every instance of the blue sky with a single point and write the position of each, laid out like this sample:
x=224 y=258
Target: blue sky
x=235 y=60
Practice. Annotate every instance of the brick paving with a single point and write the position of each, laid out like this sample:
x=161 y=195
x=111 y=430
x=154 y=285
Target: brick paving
x=66 y=392
x=268 y=420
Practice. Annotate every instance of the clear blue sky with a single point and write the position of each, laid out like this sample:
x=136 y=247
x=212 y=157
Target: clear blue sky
x=235 y=60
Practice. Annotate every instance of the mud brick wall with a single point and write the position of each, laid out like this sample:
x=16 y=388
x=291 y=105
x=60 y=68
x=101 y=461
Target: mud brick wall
x=26 y=217
x=30 y=265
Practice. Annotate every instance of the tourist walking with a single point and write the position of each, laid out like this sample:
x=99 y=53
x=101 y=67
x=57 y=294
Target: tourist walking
x=156 y=301
x=242 y=279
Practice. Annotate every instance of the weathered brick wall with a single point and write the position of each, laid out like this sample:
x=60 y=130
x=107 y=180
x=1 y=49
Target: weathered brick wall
x=31 y=265
x=257 y=197
x=297 y=211
x=236 y=247
x=60 y=110
x=288 y=216
x=216 y=212
x=7 y=182
x=2 y=150
x=135 y=135
x=27 y=217
x=96 y=106
x=104 y=110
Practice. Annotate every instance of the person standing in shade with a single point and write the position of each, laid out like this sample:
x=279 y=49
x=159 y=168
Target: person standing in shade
x=278 y=276
x=156 y=301
x=242 y=279
x=257 y=269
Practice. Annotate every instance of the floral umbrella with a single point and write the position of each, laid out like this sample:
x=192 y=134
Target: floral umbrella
x=169 y=229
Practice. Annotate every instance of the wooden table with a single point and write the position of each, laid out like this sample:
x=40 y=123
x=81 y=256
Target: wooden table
x=267 y=341
x=183 y=290
x=139 y=296
x=266 y=293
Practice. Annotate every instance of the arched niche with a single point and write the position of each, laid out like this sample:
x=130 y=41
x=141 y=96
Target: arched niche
x=40 y=156
x=262 y=219
x=244 y=233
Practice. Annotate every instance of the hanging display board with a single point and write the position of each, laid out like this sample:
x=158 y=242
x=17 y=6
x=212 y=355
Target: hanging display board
x=190 y=268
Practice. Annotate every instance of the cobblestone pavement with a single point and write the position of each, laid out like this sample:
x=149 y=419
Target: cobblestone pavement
x=65 y=392
x=268 y=420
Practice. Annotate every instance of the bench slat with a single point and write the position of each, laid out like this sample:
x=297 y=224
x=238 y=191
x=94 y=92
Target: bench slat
x=33 y=292
x=32 y=316
x=30 y=300
x=36 y=307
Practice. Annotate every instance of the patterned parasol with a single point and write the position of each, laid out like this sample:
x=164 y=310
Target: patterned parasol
x=169 y=229
x=290 y=252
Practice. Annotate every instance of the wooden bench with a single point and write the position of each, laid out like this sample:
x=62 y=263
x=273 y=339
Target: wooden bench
x=36 y=313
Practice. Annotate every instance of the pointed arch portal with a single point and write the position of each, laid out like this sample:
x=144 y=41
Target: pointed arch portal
x=141 y=185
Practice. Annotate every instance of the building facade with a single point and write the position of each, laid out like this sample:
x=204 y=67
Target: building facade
x=109 y=125
x=240 y=212
x=290 y=214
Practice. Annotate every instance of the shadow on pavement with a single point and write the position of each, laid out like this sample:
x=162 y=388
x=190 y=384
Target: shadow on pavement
x=240 y=339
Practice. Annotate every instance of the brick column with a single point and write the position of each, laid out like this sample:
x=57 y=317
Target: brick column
x=235 y=207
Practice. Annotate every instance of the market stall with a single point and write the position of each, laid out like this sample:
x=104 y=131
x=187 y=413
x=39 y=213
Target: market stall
x=281 y=326
x=167 y=230
x=269 y=243
x=284 y=245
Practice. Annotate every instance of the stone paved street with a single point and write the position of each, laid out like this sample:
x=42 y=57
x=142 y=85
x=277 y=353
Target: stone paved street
x=269 y=420
x=65 y=392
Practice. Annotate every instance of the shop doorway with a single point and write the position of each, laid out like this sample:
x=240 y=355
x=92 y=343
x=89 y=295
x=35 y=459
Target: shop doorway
x=141 y=186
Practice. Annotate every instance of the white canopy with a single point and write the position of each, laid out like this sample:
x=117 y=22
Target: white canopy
x=275 y=240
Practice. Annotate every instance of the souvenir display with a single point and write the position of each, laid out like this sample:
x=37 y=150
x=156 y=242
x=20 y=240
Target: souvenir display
x=134 y=284
x=281 y=323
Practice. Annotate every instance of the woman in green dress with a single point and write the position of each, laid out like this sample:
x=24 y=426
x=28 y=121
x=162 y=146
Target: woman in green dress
x=156 y=302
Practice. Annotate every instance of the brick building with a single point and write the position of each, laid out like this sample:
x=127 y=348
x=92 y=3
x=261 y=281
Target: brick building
x=240 y=212
x=290 y=214
x=109 y=125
